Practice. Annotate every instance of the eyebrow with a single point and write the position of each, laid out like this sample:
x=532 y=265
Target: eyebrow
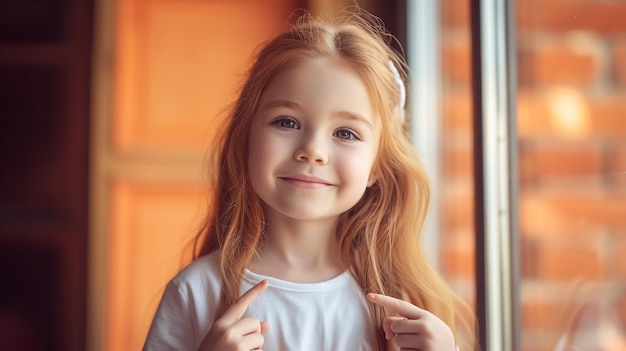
x=281 y=103
x=354 y=116
x=294 y=105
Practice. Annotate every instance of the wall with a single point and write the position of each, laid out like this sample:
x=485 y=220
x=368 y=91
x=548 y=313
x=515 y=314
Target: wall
x=44 y=110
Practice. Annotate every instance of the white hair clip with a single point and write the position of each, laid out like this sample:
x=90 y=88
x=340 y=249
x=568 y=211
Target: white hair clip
x=400 y=85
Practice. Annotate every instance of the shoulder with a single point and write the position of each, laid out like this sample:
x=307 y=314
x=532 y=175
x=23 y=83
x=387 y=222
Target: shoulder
x=204 y=267
x=201 y=274
x=187 y=308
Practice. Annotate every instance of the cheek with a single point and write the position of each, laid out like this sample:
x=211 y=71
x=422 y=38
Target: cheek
x=261 y=149
x=358 y=169
x=256 y=161
x=264 y=155
x=254 y=153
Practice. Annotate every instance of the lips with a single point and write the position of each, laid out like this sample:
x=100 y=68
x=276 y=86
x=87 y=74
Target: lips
x=306 y=181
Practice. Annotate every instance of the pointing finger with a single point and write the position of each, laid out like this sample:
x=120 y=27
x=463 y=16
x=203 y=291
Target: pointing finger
x=400 y=307
x=234 y=312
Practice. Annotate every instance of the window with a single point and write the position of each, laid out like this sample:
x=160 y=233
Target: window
x=543 y=169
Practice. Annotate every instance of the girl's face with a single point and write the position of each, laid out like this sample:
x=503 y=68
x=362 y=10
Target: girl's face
x=313 y=141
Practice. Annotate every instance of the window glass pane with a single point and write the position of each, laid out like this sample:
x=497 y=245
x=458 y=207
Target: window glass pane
x=571 y=110
x=456 y=210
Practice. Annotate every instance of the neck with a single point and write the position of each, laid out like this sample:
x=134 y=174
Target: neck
x=299 y=251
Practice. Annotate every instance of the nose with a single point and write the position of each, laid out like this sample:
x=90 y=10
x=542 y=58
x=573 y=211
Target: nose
x=312 y=150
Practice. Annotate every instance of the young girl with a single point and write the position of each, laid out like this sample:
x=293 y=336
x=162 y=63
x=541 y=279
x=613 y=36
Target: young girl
x=313 y=241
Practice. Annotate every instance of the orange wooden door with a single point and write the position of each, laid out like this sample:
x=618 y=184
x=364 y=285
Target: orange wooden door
x=175 y=64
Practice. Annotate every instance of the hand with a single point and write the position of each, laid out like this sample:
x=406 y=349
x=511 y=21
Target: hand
x=230 y=332
x=415 y=328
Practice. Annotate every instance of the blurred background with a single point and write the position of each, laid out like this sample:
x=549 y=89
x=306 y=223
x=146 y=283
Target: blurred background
x=107 y=112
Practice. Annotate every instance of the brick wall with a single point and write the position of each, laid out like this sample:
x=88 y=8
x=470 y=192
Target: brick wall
x=571 y=120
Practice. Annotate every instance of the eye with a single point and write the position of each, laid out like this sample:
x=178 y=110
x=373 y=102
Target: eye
x=346 y=134
x=286 y=122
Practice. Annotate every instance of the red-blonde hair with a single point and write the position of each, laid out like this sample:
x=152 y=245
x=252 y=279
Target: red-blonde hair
x=379 y=237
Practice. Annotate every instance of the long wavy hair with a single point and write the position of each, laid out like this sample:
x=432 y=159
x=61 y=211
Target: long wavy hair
x=379 y=237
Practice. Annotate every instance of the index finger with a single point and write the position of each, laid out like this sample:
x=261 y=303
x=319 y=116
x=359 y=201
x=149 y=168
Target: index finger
x=238 y=308
x=401 y=307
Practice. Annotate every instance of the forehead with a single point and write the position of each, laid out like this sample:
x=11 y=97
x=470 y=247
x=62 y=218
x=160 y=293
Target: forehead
x=323 y=84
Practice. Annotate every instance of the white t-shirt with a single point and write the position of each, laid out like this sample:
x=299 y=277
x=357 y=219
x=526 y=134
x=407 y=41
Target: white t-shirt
x=329 y=315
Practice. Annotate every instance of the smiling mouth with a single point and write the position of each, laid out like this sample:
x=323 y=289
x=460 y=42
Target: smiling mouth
x=306 y=182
